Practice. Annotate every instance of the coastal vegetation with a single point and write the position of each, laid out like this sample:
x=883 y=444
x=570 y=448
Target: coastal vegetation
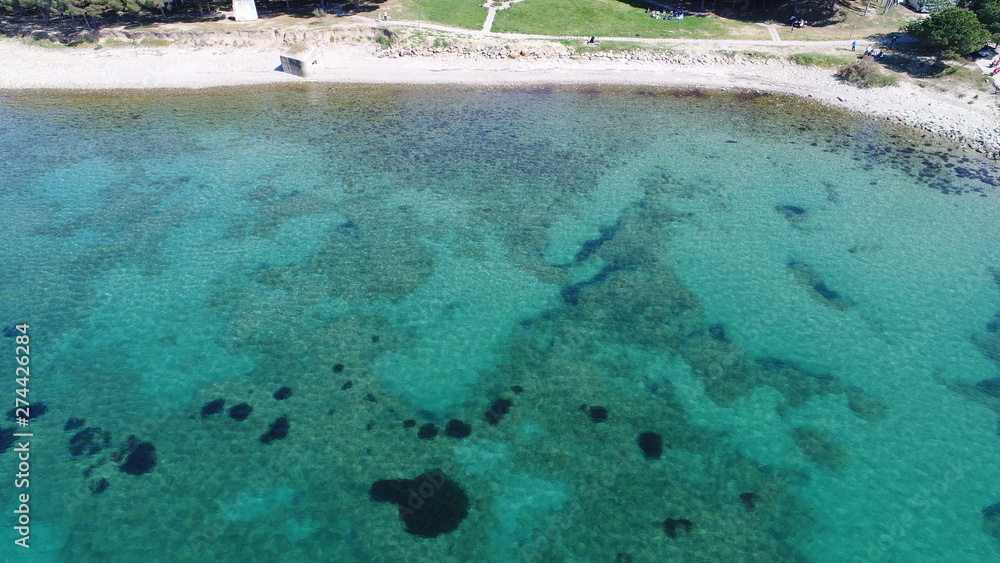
x=952 y=31
x=866 y=73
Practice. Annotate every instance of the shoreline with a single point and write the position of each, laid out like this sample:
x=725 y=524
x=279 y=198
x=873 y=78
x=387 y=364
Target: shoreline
x=970 y=120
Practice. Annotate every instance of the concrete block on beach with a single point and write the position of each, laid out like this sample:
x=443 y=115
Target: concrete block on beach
x=244 y=10
x=299 y=61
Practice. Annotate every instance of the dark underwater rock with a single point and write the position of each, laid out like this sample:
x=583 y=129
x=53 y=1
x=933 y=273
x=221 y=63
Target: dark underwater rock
x=409 y=423
x=73 y=424
x=99 y=486
x=277 y=430
x=427 y=431
x=718 y=332
x=672 y=525
x=790 y=210
x=809 y=278
x=989 y=344
x=212 y=407
x=457 y=429
x=498 y=409
x=34 y=411
x=991 y=520
x=347 y=385
x=517 y=389
x=749 y=501
x=283 y=393
x=992 y=512
x=597 y=414
x=571 y=293
x=818 y=447
x=864 y=405
x=593 y=245
x=7 y=438
x=651 y=445
x=88 y=441
x=337 y=368
x=240 y=412
x=430 y=505
x=141 y=459
x=826 y=292
x=990 y=386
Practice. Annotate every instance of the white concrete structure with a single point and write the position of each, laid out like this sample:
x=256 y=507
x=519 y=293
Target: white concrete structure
x=245 y=10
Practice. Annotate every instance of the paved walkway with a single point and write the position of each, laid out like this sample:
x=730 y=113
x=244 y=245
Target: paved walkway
x=772 y=29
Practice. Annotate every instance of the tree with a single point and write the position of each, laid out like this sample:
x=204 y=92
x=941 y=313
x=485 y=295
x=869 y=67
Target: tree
x=987 y=11
x=952 y=30
x=989 y=16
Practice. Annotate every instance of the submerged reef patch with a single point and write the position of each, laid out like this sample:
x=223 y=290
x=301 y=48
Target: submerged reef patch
x=277 y=431
x=651 y=445
x=88 y=442
x=34 y=411
x=240 y=412
x=991 y=520
x=430 y=505
x=810 y=279
x=819 y=447
x=212 y=407
x=141 y=459
x=73 y=424
x=671 y=526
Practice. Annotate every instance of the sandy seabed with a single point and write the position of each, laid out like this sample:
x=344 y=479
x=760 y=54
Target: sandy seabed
x=976 y=124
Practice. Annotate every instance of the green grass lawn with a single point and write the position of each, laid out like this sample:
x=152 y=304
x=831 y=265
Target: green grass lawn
x=469 y=14
x=612 y=18
x=824 y=60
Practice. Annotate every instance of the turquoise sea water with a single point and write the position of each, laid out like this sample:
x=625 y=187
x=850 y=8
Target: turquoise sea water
x=802 y=304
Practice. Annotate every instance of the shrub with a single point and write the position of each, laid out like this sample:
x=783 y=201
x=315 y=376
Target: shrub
x=866 y=74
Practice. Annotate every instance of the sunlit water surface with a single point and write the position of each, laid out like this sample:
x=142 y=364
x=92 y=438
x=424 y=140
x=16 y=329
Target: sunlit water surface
x=802 y=304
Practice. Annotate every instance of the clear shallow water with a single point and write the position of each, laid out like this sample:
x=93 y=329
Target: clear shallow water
x=797 y=301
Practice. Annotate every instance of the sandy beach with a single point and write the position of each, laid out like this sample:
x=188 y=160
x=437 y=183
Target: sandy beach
x=970 y=118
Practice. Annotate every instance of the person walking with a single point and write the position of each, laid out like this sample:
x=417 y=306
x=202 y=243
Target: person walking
x=854 y=45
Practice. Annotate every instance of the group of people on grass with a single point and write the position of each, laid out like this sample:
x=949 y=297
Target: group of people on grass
x=876 y=55
x=665 y=14
x=796 y=21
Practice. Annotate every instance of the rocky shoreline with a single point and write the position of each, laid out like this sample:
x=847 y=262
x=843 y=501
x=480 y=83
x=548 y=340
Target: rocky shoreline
x=229 y=54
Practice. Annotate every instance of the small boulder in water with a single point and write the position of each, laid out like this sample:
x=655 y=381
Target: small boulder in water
x=673 y=525
x=498 y=409
x=73 y=424
x=427 y=431
x=277 y=430
x=88 y=441
x=240 y=412
x=141 y=459
x=212 y=407
x=651 y=445
x=458 y=429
